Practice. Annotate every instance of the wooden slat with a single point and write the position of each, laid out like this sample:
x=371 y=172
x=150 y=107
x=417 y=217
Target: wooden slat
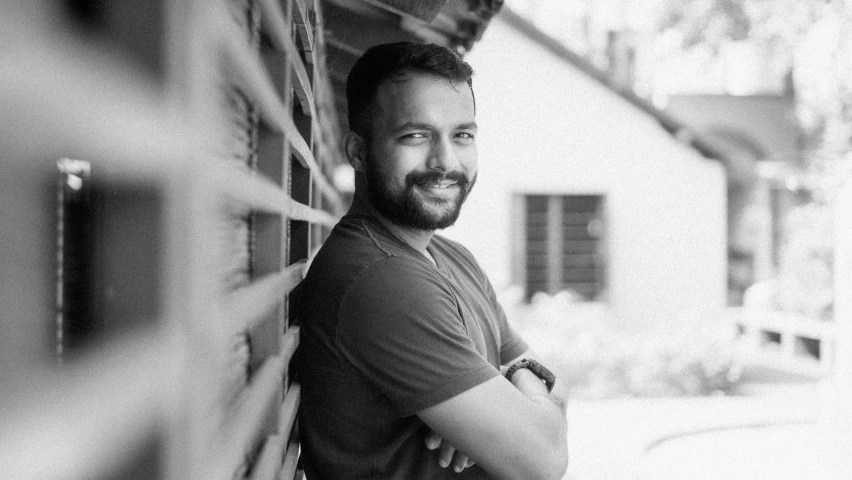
x=257 y=84
x=256 y=192
x=288 y=470
x=300 y=211
x=279 y=33
x=232 y=236
x=275 y=25
x=423 y=10
x=247 y=423
x=289 y=343
x=232 y=375
x=273 y=112
x=92 y=109
x=88 y=418
x=300 y=146
x=268 y=464
x=303 y=25
x=302 y=85
x=289 y=408
x=328 y=191
x=239 y=122
x=250 y=74
x=253 y=303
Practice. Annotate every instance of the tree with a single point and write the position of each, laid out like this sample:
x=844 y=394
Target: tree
x=812 y=42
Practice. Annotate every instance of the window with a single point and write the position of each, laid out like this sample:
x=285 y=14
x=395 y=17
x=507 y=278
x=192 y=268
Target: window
x=563 y=245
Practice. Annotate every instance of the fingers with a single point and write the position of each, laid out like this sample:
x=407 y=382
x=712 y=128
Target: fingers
x=433 y=440
x=445 y=456
x=460 y=462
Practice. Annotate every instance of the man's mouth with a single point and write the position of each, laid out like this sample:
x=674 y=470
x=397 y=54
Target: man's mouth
x=437 y=184
x=440 y=185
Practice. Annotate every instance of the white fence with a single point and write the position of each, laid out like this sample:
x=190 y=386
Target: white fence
x=786 y=342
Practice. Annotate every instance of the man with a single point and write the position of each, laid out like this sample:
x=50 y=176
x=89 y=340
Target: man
x=402 y=336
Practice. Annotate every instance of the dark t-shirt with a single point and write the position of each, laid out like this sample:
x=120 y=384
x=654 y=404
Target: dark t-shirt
x=386 y=334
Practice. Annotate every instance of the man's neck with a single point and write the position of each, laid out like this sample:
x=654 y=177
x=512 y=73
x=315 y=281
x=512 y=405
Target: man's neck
x=416 y=239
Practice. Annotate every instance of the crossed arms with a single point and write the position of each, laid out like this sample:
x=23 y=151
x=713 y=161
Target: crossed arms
x=512 y=430
x=389 y=331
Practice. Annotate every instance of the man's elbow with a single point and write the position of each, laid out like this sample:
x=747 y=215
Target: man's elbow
x=548 y=463
x=554 y=464
x=555 y=452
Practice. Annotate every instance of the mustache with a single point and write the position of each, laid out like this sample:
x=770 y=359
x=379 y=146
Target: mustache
x=432 y=177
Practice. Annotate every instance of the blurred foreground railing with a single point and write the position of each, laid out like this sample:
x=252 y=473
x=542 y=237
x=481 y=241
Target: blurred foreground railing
x=146 y=328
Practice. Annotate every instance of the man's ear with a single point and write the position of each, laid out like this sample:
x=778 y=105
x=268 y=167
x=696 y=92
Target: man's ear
x=356 y=150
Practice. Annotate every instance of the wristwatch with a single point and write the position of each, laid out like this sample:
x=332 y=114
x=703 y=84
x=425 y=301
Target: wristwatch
x=538 y=369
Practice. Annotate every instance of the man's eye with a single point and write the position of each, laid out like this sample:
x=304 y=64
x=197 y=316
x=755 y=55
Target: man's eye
x=414 y=135
x=464 y=135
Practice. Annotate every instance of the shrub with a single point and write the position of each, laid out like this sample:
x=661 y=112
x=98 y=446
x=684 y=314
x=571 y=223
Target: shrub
x=595 y=356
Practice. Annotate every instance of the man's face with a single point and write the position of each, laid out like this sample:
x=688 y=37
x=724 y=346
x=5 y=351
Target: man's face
x=421 y=158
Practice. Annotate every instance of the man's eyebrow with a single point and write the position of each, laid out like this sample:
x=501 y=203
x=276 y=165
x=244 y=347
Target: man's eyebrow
x=413 y=126
x=427 y=126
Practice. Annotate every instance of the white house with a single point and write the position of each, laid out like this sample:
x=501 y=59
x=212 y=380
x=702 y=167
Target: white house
x=604 y=198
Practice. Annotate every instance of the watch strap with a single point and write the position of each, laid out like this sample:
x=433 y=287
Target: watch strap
x=538 y=369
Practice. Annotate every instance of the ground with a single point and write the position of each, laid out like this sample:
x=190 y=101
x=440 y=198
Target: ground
x=769 y=429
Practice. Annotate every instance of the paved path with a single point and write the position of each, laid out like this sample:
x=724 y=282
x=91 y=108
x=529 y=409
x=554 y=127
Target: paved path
x=770 y=433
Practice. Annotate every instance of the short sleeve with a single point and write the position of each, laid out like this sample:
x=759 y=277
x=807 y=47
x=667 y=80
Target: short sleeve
x=400 y=328
x=512 y=345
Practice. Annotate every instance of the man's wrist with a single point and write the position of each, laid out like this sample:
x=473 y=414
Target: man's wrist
x=539 y=370
x=525 y=380
x=534 y=389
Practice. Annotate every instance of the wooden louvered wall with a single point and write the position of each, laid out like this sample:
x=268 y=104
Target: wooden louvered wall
x=152 y=339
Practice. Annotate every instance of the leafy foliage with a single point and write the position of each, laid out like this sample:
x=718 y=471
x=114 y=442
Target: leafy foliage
x=718 y=21
x=595 y=356
x=813 y=40
x=706 y=21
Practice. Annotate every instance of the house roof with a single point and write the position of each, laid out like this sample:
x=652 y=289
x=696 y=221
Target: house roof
x=353 y=26
x=708 y=147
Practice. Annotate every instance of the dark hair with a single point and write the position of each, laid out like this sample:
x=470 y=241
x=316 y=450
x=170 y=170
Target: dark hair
x=393 y=61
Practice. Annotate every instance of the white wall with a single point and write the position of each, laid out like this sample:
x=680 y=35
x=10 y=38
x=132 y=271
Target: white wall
x=545 y=127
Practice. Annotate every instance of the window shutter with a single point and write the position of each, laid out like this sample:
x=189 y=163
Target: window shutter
x=564 y=245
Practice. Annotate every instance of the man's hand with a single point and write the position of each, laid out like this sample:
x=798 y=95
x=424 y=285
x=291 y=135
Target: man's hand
x=448 y=453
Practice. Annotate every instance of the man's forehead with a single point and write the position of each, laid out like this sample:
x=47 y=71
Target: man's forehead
x=425 y=94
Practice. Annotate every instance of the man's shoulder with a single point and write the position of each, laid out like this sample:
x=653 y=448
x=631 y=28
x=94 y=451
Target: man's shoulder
x=351 y=239
x=357 y=246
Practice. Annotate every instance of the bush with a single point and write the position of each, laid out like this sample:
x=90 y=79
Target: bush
x=595 y=357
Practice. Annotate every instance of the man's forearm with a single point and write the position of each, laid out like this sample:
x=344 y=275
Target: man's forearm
x=551 y=405
x=512 y=432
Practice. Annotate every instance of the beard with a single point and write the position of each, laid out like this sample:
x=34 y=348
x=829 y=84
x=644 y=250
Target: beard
x=407 y=208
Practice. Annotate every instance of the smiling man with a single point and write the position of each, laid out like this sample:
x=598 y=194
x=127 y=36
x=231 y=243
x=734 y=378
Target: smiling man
x=403 y=339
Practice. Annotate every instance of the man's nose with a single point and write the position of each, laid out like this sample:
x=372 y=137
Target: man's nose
x=443 y=156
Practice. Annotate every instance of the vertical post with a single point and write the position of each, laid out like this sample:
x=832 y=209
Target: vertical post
x=554 y=243
x=301 y=188
x=764 y=265
x=519 y=240
x=837 y=394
